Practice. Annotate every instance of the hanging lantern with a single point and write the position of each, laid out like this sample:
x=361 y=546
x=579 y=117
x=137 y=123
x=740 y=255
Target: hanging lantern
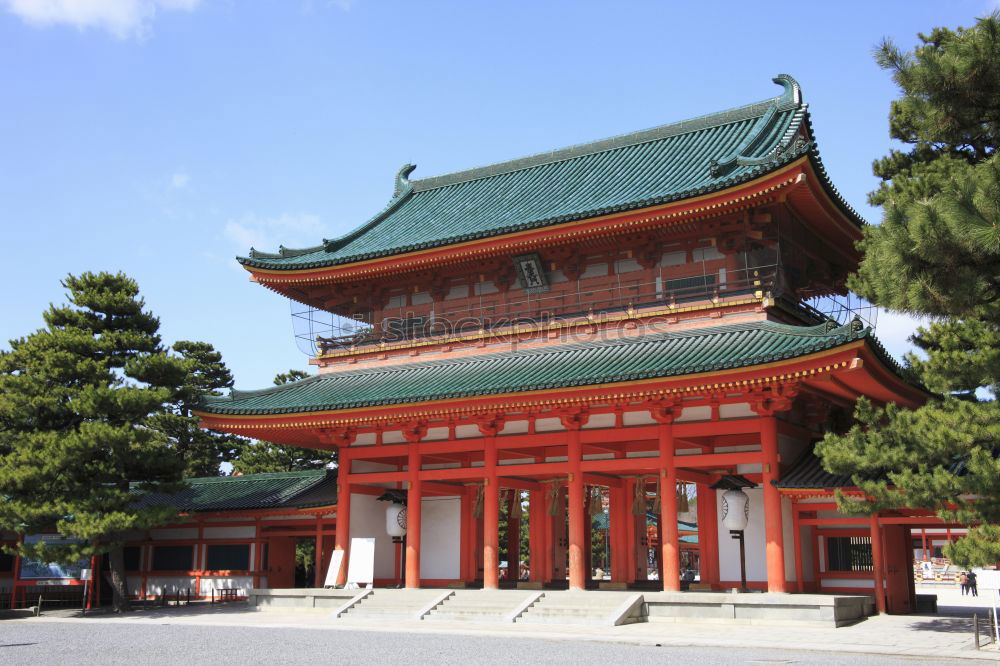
x=682 y=498
x=395 y=520
x=735 y=510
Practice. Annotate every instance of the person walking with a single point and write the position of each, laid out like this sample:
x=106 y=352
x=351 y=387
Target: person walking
x=963 y=580
x=973 y=585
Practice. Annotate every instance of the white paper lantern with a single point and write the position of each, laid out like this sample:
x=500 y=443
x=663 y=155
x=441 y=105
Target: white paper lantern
x=395 y=520
x=735 y=509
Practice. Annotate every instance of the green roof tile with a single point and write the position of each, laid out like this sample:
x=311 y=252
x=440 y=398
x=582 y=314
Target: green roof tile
x=580 y=364
x=637 y=170
x=276 y=490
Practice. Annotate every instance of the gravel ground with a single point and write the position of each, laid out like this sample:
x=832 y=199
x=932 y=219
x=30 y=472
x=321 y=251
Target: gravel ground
x=67 y=644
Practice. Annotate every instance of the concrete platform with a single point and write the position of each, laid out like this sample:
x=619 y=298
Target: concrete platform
x=750 y=608
x=565 y=607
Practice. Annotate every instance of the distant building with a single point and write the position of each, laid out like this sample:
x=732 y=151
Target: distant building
x=232 y=533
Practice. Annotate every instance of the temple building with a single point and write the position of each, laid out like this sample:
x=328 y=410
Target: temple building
x=630 y=324
x=231 y=534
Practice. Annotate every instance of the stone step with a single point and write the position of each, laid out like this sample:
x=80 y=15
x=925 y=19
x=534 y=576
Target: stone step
x=567 y=611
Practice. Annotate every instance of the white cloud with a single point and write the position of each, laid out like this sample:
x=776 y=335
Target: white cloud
x=180 y=180
x=267 y=233
x=894 y=328
x=122 y=18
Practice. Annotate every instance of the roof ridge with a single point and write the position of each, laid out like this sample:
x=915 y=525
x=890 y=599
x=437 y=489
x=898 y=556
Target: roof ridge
x=687 y=126
x=306 y=473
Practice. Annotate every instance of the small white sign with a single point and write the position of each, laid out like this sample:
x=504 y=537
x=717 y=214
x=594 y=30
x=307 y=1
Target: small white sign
x=361 y=566
x=86 y=574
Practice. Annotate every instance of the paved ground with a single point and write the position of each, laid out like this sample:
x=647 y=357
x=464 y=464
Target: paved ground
x=232 y=634
x=24 y=642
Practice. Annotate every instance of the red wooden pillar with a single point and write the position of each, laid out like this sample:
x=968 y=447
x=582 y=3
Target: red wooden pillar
x=465 y=535
x=95 y=578
x=669 y=537
x=618 y=514
x=923 y=544
x=414 y=501
x=878 y=564
x=577 y=537
x=536 y=534
x=708 y=550
x=491 y=506
x=318 y=577
x=630 y=533
x=342 y=535
x=797 y=545
x=773 y=530
x=514 y=536
x=258 y=552
x=554 y=527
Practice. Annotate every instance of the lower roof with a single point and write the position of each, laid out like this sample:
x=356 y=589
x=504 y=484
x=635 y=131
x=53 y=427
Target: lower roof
x=647 y=356
x=275 y=490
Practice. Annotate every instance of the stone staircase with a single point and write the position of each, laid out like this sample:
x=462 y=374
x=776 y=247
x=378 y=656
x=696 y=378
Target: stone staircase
x=393 y=604
x=602 y=608
x=483 y=605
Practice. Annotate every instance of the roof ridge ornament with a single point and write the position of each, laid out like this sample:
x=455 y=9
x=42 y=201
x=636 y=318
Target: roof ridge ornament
x=793 y=91
x=402 y=179
x=791 y=98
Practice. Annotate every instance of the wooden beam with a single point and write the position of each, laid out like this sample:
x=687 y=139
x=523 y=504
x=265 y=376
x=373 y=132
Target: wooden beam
x=603 y=480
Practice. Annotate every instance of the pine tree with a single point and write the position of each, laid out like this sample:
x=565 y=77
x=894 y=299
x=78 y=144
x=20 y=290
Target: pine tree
x=258 y=456
x=202 y=451
x=937 y=254
x=76 y=453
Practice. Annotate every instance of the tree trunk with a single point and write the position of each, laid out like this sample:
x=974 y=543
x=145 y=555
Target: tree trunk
x=119 y=586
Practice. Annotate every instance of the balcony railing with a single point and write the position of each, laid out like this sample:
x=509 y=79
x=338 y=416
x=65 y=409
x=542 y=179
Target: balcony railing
x=490 y=312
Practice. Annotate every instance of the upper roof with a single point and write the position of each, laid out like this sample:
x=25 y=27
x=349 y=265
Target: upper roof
x=627 y=172
x=276 y=490
x=579 y=364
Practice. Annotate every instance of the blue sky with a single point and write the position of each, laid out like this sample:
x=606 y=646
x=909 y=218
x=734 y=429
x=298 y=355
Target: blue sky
x=164 y=137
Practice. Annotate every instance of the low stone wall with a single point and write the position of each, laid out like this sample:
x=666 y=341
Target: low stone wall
x=750 y=608
x=314 y=600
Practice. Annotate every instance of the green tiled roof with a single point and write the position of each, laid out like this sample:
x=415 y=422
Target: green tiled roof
x=637 y=170
x=278 y=490
x=580 y=364
x=808 y=473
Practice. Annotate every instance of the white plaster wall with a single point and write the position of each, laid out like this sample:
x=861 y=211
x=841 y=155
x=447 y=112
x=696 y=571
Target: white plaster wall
x=640 y=417
x=157 y=585
x=368 y=520
x=393 y=437
x=788 y=534
x=365 y=466
x=364 y=439
x=440 y=531
x=515 y=427
x=175 y=533
x=729 y=548
x=548 y=425
x=434 y=434
x=702 y=413
x=242 y=583
x=601 y=421
x=245 y=532
x=848 y=582
x=467 y=430
x=736 y=411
